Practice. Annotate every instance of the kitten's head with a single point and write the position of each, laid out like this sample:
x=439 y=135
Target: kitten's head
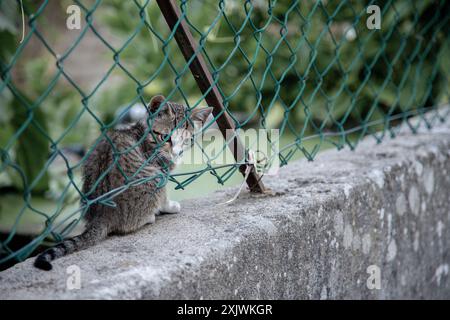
x=178 y=121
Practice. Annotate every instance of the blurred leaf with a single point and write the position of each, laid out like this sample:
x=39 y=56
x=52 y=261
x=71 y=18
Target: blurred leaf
x=32 y=148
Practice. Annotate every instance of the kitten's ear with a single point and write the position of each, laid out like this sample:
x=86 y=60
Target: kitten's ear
x=201 y=114
x=155 y=102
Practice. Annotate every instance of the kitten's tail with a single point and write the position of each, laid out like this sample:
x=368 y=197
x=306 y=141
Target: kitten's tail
x=88 y=238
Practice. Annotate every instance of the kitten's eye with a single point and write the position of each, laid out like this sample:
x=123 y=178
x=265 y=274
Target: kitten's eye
x=164 y=137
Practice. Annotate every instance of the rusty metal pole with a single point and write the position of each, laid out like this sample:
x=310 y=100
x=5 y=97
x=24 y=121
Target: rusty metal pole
x=204 y=80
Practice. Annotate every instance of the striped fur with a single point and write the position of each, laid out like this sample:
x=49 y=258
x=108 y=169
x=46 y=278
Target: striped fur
x=122 y=156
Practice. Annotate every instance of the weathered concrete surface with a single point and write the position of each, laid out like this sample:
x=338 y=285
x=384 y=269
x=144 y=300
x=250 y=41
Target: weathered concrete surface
x=384 y=205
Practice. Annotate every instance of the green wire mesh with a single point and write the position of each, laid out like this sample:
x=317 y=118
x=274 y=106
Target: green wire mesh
x=312 y=69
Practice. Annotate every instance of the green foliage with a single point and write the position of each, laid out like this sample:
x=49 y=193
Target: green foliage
x=31 y=147
x=317 y=58
x=19 y=120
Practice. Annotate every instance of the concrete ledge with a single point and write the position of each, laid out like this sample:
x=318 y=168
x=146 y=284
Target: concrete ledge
x=384 y=205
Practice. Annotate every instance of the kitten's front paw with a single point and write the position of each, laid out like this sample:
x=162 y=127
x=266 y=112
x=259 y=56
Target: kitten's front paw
x=171 y=207
x=151 y=219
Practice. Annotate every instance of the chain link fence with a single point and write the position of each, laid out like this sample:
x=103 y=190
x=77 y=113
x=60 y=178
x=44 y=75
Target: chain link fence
x=321 y=72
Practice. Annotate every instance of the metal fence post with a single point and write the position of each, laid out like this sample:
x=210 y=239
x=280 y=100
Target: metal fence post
x=204 y=80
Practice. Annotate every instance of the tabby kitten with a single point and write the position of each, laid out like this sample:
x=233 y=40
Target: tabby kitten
x=130 y=154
